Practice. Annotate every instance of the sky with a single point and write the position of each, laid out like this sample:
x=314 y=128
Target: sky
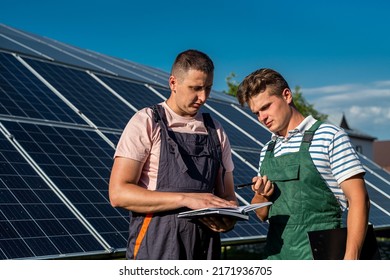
x=337 y=52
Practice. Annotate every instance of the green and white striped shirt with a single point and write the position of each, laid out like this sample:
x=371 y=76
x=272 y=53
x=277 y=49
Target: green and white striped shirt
x=331 y=151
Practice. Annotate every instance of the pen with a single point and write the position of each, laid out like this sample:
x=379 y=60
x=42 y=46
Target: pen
x=244 y=185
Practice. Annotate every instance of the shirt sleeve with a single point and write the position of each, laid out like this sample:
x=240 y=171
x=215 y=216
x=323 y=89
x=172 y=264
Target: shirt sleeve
x=344 y=160
x=136 y=139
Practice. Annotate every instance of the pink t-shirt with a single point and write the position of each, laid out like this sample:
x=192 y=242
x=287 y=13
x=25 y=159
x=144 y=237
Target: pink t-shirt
x=140 y=140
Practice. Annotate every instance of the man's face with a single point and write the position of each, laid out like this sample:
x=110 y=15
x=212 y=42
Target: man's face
x=273 y=111
x=189 y=91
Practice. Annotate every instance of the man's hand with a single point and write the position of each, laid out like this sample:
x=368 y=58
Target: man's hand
x=262 y=186
x=263 y=189
x=205 y=200
x=219 y=224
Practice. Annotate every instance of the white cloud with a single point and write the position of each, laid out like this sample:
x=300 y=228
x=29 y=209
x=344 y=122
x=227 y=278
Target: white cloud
x=366 y=107
x=382 y=84
x=335 y=89
x=374 y=113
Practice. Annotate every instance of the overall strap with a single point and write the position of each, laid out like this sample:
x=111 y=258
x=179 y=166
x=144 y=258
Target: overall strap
x=308 y=136
x=158 y=115
x=210 y=126
x=270 y=149
x=160 y=118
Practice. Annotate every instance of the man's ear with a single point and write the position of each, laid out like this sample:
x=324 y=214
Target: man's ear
x=287 y=95
x=172 y=82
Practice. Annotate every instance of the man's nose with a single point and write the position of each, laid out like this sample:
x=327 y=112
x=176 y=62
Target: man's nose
x=262 y=117
x=202 y=95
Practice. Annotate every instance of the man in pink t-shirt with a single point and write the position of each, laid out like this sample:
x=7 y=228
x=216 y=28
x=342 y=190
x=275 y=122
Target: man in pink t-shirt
x=171 y=158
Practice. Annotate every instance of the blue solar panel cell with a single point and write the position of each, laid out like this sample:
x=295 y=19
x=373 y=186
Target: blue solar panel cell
x=163 y=91
x=252 y=157
x=23 y=95
x=377 y=196
x=86 y=94
x=15 y=248
x=41 y=246
x=250 y=230
x=234 y=131
x=14 y=212
x=242 y=117
x=113 y=137
x=27 y=229
x=67 y=245
x=8 y=231
x=378 y=217
x=26 y=196
x=136 y=94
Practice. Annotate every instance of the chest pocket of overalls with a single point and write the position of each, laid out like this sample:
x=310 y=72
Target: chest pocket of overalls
x=284 y=173
x=288 y=173
x=198 y=164
x=195 y=145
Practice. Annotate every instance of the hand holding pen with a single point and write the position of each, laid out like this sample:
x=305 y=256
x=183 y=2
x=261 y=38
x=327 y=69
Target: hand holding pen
x=260 y=185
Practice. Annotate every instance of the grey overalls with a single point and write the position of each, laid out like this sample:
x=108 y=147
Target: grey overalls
x=302 y=201
x=188 y=163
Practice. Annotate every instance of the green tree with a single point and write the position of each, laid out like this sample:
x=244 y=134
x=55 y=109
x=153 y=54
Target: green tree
x=302 y=105
x=232 y=85
x=305 y=107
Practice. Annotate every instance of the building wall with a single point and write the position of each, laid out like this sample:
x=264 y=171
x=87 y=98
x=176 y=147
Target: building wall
x=363 y=146
x=382 y=153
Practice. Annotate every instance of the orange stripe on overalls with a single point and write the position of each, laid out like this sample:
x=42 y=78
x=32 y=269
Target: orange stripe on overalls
x=142 y=233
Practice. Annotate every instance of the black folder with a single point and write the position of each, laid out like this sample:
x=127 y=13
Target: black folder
x=330 y=244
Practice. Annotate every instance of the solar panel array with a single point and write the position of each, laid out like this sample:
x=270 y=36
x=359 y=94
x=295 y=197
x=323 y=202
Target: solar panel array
x=62 y=112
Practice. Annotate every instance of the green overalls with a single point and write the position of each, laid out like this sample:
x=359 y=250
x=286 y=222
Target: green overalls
x=302 y=201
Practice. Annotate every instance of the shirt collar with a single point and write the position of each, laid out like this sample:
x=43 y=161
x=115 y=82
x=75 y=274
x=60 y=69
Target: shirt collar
x=301 y=128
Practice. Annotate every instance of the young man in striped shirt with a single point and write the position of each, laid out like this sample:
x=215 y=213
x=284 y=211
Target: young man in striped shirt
x=309 y=170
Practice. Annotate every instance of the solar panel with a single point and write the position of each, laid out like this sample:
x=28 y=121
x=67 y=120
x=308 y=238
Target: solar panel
x=134 y=71
x=78 y=162
x=88 y=96
x=244 y=119
x=247 y=230
x=23 y=95
x=34 y=221
x=11 y=40
x=137 y=95
x=59 y=127
x=252 y=157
